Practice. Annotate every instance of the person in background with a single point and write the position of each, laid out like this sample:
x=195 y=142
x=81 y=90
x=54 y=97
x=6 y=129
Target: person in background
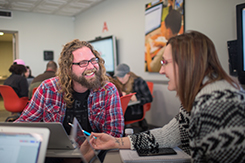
x=17 y=79
x=210 y=125
x=81 y=89
x=132 y=83
x=28 y=75
x=50 y=72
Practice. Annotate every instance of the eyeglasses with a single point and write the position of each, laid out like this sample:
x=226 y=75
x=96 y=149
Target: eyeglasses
x=84 y=63
x=165 y=62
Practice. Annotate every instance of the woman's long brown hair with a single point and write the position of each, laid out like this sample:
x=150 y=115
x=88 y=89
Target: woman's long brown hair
x=196 y=57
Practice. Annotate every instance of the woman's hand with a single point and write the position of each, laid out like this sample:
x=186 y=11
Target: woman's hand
x=104 y=141
x=133 y=98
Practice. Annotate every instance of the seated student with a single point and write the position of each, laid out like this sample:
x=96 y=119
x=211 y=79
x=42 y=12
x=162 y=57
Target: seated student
x=210 y=125
x=17 y=79
x=28 y=75
x=50 y=72
x=80 y=90
x=133 y=83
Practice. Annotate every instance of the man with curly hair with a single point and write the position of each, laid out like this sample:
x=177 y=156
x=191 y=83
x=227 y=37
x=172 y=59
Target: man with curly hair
x=80 y=90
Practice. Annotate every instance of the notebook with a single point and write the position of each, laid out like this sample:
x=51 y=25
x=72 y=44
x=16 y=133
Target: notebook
x=23 y=144
x=78 y=135
x=59 y=144
x=131 y=156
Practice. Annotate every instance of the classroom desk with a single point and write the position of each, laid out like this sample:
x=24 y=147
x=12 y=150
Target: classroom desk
x=114 y=157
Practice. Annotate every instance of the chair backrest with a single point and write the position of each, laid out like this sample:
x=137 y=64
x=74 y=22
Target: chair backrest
x=12 y=102
x=125 y=100
x=147 y=106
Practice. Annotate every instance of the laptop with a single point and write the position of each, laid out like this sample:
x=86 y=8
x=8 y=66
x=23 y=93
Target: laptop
x=23 y=144
x=59 y=144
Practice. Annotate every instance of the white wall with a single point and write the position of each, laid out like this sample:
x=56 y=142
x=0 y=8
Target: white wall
x=125 y=20
x=39 y=32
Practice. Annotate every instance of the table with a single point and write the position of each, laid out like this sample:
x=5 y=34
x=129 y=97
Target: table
x=113 y=156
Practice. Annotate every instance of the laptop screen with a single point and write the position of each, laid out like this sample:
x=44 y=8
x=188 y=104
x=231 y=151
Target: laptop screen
x=19 y=147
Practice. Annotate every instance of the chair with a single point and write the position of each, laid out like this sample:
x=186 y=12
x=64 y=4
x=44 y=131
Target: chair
x=34 y=90
x=12 y=102
x=146 y=107
x=125 y=100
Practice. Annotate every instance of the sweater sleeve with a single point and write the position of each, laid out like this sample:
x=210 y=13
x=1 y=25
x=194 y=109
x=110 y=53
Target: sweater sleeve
x=167 y=136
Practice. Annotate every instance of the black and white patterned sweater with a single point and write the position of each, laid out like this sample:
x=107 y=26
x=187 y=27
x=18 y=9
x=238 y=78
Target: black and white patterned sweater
x=214 y=132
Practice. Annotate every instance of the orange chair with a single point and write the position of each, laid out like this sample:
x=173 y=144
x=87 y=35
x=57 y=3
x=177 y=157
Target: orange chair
x=146 y=107
x=11 y=100
x=34 y=90
x=125 y=100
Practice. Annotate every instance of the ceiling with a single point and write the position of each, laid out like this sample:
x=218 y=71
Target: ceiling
x=54 y=7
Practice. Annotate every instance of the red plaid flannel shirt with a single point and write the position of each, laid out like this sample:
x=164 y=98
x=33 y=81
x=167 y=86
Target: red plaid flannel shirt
x=104 y=107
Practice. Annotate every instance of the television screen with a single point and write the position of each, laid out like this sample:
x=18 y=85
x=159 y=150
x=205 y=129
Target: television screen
x=106 y=46
x=240 y=13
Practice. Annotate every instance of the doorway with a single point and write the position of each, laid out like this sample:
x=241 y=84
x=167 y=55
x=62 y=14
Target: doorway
x=8 y=52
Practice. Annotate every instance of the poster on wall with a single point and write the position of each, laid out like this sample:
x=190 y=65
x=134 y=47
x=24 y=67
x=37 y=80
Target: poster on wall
x=163 y=20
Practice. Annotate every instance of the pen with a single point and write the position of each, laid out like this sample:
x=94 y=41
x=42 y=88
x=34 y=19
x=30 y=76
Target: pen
x=85 y=132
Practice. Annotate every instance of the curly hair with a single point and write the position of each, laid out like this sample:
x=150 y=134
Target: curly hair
x=65 y=68
x=17 y=69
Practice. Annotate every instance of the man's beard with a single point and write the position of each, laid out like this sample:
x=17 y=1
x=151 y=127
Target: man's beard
x=92 y=83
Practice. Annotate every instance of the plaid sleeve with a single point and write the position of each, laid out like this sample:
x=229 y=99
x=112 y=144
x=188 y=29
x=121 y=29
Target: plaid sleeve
x=105 y=112
x=46 y=104
x=33 y=111
x=114 y=120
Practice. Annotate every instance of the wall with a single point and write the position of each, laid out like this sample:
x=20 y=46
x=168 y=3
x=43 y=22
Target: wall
x=125 y=20
x=39 y=32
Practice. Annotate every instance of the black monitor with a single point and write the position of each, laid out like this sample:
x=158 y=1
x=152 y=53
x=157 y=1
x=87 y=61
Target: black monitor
x=240 y=15
x=107 y=48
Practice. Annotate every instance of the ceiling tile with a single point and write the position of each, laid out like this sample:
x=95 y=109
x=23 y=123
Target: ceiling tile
x=56 y=7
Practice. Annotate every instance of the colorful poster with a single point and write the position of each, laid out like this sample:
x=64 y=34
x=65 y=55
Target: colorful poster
x=163 y=20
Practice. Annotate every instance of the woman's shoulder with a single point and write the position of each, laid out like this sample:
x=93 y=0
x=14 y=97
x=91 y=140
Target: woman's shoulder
x=216 y=95
x=217 y=86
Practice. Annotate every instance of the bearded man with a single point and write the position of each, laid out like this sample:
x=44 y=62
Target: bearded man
x=80 y=90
